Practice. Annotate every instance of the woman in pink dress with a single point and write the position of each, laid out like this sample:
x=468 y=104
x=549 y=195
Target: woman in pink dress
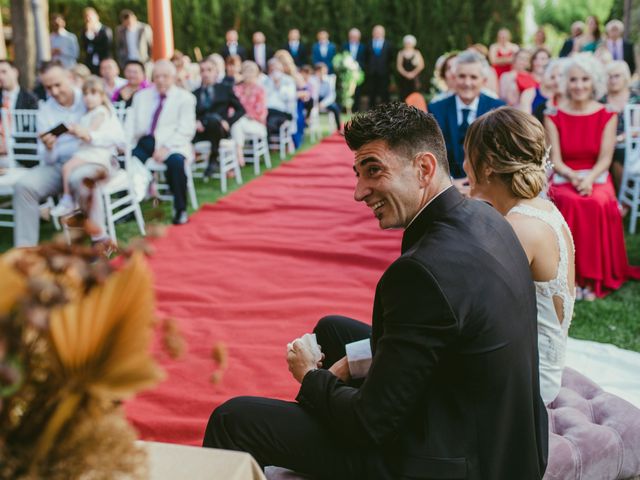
x=583 y=135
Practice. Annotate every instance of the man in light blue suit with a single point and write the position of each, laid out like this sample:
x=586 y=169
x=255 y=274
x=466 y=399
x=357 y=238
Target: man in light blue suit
x=323 y=50
x=455 y=113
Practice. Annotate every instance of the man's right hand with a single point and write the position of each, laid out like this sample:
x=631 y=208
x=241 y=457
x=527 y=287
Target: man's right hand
x=341 y=369
x=49 y=140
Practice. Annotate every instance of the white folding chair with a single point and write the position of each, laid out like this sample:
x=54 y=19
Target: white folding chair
x=227 y=158
x=630 y=186
x=283 y=142
x=21 y=139
x=202 y=151
x=118 y=193
x=159 y=169
x=256 y=147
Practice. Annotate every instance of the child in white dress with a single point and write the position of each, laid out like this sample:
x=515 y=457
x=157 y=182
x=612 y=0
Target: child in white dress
x=99 y=116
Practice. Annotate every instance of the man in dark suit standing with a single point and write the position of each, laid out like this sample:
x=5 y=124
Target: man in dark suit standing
x=452 y=390
x=296 y=48
x=232 y=47
x=260 y=53
x=620 y=49
x=455 y=113
x=576 y=30
x=323 y=51
x=357 y=51
x=96 y=40
x=214 y=101
x=379 y=59
x=12 y=97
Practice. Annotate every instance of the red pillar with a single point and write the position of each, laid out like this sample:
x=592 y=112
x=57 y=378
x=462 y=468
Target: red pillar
x=159 y=13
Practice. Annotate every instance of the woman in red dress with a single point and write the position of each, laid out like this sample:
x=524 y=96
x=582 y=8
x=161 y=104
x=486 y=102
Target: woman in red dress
x=501 y=53
x=583 y=135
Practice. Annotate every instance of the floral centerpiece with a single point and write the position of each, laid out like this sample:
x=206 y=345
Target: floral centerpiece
x=74 y=342
x=350 y=75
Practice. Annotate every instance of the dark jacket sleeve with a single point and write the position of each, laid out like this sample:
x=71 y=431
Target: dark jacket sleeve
x=418 y=326
x=238 y=109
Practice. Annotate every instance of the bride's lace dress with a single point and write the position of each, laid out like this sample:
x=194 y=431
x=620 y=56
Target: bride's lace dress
x=555 y=300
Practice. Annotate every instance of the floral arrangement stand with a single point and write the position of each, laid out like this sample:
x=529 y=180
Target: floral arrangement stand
x=74 y=343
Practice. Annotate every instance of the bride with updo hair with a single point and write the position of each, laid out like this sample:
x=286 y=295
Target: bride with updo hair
x=505 y=161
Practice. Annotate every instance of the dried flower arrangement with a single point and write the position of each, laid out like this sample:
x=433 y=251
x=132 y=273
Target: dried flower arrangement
x=74 y=342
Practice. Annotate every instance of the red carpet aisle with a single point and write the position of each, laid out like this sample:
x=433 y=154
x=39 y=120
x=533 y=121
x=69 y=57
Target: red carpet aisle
x=256 y=270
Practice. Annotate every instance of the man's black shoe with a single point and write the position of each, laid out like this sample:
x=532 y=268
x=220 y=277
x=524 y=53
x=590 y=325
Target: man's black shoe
x=180 y=218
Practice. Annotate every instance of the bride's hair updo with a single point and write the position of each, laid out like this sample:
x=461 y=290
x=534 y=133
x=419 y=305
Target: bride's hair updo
x=512 y=144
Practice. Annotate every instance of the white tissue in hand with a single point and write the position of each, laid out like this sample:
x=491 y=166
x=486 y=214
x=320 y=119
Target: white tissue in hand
x=310 y=343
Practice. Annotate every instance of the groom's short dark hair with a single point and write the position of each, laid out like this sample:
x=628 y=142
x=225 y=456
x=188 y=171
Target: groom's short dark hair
x=404 y=128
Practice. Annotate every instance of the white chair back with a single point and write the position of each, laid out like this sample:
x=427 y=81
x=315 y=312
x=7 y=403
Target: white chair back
x=21 y=137
x=632 y=139
x=121 y=111
x=630 y=186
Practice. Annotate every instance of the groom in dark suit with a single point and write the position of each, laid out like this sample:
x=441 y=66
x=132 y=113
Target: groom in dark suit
x=455 y=113
x=452 y=390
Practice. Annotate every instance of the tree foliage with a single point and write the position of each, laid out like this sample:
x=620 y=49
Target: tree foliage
x=439 y=25
x=562 y=13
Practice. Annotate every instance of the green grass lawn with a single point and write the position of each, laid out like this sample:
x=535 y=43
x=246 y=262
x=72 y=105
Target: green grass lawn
x=615 y=319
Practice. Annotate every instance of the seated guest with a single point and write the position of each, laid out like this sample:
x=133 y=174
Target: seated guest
x=454 y=114
x=491 y=83
x=161 y=123
x=505 y=164
x=532 y=97
x=100 y=120
x=323 y=50
x=232 y=47
x=549 y=89
x=252 y=97
x=281 y=96
x=109 y=72
x=136 y=81
x=445 y=76
x=325 y=89
x=618 y=96
x=619 y=48
x=453 y=341
x=79 y=74
x=12 y=97
x=65 y=105
x=260 y=53
x=217 y=109
x=232 y=67
x=583 y=137
x=64 y=44
x=185 y=75
x=302 y=92
x=296 y=48
x=221 y=68
x=518 y=79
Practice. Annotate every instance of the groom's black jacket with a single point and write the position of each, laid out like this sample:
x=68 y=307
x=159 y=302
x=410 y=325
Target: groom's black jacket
x=453 y=390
